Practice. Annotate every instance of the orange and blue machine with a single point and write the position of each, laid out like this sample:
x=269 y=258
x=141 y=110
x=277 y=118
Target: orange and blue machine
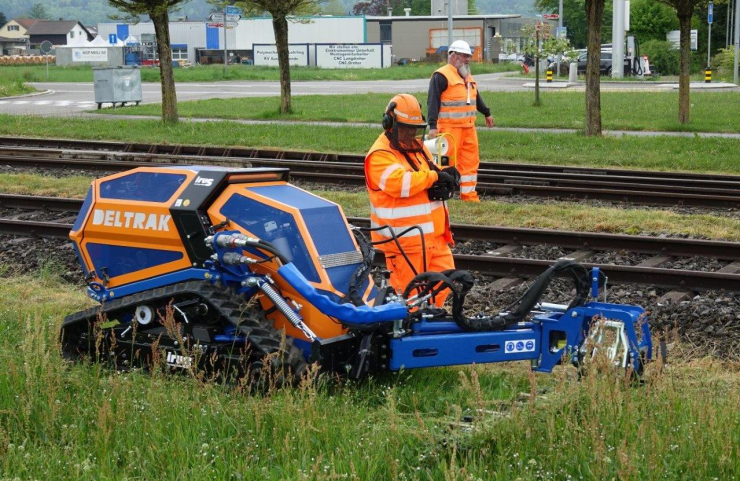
x=147 y=238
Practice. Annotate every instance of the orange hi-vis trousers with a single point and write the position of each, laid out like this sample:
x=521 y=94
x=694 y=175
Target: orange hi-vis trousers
x=468 y=159
x=439 y=258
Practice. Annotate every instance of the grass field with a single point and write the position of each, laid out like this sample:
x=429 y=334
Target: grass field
x=60 y=421
x=620 y=110
x=10 y=87
x=84 y=422
x=214 y=73
x=658 y=153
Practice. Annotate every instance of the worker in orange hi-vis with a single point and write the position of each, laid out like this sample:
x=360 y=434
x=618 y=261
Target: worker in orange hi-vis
x=452 y=103
x=407 y=194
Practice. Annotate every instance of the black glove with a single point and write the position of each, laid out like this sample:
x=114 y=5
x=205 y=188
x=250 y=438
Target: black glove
x=443 y=188
x=454 y=173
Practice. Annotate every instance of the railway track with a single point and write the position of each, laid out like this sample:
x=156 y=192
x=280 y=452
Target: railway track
x=498 y=262
x=497 y=179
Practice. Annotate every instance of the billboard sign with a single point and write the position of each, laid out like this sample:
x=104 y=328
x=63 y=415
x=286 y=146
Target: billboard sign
x=266 y=54
x=349 y=55
x=88 y=54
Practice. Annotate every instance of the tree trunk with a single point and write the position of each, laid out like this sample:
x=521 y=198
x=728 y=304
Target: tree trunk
x=160 y=19
x=685 y=11
x=280 y=26
x=594 y=17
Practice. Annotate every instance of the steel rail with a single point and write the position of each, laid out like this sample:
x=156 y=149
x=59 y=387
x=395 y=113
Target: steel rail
x=679 y=179
x=675 y=247
x=348 y=174
x=490 y=265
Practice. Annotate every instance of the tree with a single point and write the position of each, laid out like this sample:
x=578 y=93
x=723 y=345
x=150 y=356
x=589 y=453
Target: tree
x=684 y=11
x=38 y=11
x=472 y=9
x=280 y=10
x=3 y=20
x=333 y=7
x=650 y=20
x=539 y=47
x=594 y=17
x=158 y=11
x=574 y=19
x=371 y=7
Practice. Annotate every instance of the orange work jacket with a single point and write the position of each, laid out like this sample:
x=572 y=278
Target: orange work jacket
x=398 y=198
x=457 y=106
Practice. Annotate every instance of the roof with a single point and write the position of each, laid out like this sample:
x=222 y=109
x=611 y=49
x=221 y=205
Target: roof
x=25 y=22
x=441 y=17
x=60 y=27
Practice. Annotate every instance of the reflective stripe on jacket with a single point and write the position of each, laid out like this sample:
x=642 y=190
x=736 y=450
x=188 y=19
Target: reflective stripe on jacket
x=399 y=199
x=457 y=106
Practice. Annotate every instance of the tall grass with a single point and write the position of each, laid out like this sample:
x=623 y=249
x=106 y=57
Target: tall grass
x=63 y=421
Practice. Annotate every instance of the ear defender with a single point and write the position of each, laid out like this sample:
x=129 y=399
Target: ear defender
x=388 y=116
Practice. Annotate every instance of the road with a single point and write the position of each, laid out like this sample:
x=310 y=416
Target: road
x=69 y=99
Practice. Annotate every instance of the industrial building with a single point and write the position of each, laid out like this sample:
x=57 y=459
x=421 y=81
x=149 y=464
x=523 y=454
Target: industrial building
x=401 y=37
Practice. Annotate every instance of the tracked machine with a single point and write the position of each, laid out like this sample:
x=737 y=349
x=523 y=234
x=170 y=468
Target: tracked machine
x=237 y=272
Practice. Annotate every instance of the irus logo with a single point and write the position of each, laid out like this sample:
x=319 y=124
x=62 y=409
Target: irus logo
x=131 y=220
x=174 y=360
x=203 y=181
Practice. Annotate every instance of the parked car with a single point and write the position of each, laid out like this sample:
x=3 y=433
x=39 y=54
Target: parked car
x=605 y=64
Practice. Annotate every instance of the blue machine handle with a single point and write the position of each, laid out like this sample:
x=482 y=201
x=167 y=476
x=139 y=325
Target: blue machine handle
x=595 y=282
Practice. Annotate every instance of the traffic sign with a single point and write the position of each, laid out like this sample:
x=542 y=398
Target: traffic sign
x=233 y=18
x=232 y=10
x=112 y=39
x=538 y=26
x=215 y=24
x=46 y=46
x=231 y=24
x=561 y=32
x=216 y=17
x=551 y=16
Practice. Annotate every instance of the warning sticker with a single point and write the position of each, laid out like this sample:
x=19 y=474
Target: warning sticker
x=524 y=345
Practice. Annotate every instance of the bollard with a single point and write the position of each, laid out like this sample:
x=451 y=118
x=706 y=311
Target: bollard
x=549 y=75
x=708 y=75
x=573 y=73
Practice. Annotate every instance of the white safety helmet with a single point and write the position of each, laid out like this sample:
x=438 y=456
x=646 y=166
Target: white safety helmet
x=460 y=46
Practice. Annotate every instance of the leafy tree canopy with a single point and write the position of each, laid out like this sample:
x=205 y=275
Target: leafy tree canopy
x=38 y=11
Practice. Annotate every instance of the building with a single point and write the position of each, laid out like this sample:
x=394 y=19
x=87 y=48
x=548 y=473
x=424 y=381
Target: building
x=413 y=38
x=61 y=32
x=417 y=38
x=198 y=42
x=14 y=37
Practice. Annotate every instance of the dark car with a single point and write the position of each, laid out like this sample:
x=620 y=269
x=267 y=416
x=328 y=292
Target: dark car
x=605 y=64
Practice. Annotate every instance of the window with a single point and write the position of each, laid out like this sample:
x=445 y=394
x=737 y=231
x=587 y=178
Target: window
x=386 y=32
x=72 y=34
x=180 y=53
x=14 y=28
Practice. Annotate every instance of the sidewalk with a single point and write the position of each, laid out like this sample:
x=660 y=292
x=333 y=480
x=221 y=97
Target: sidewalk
x=611 y=133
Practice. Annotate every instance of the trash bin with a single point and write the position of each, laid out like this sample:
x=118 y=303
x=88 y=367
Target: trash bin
x=117 y=85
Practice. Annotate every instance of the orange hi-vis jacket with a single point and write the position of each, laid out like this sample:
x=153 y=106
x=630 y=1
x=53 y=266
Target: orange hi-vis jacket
x=398 y=198
x=457 y=107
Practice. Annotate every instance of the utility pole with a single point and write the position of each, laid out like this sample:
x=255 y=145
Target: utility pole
x=226 y=48
x=710 y=14
x=737 y=41
x=560 y=29
x=449 y=23
x=618 y=39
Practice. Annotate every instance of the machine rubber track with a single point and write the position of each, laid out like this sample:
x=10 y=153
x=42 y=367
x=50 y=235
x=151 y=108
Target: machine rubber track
x=263 y=338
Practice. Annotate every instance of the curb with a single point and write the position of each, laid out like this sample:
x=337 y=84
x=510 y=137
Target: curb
x=33 y=94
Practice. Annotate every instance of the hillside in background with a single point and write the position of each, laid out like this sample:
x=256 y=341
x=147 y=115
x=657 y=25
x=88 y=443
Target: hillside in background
x=92 y=12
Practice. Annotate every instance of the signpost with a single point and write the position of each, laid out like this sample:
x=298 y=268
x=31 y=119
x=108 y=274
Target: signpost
x=230 y=17
x=710 y=14
x=216 y=17
x=45 y=48
x=551 y=16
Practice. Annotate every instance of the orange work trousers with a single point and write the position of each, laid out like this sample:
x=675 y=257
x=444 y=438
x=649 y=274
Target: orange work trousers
x=468 y=159
x=439 y=258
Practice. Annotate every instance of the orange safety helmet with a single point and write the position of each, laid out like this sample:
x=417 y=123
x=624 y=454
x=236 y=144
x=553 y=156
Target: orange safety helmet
x=405 y=110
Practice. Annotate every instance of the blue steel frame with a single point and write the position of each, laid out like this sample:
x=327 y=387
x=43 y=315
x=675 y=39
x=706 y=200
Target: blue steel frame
x=445 y=344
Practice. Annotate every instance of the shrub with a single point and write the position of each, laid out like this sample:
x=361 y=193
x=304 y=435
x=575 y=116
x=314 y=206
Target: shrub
x=664 y=57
